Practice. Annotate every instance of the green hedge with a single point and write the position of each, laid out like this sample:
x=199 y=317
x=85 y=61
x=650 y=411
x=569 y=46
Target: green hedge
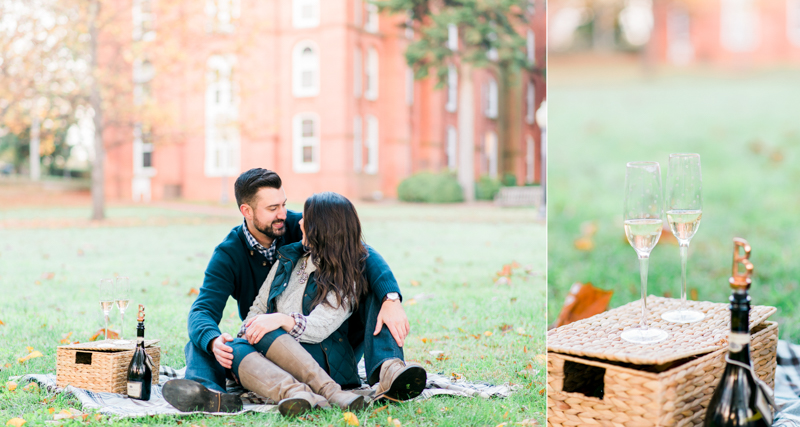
x=428 y=187
x=486 y=188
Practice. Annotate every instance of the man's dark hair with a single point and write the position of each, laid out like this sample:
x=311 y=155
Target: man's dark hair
x=248 y=184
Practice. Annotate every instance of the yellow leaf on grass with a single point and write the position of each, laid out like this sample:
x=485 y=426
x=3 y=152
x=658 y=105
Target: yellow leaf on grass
x=15 y=422
x=488 y=333
x=1 y=323
x=29 y=348
x=584 y=244
x=193 y=291
x=412 y=301
x=51 y=410
x=65 y=339
x=31 y=387
x=414 y=283
x=351 y=419
x=11 y=386
x=33 y=355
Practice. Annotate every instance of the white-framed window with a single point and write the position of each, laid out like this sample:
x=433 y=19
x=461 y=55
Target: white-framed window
x=739 y=25
x=529 y=158
x=143 y=73
x=305 y=13
x=221 y=15
x=221 y=115
x=452 y=89
x=305 y=70
x=358 y=144
x=142 y=150
x=451 y=149
x=793 y=21
x=305 y=143
x=371 y=90
x=372 y=24
x=530 y=103
x=452 y=36
x=491 y=99
x=371 y=143
x=358 y=12
x=409 y=86
x=680 y=49
x=358 y=71
x=530 y=44
x=142 y=13
x=531 y=7
x=490 y=154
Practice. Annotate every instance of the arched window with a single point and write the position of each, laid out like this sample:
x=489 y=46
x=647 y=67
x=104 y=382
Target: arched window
x=739 y=25
x=452 y=36
x=305 y=70
x=305 y=13
x=221 y=117
x=452 y=89
x=371 y=90
x=491 y=98
x=372 y=145
x=529 y=158
x=452 y=148
x=305 y=143
x=530 y=103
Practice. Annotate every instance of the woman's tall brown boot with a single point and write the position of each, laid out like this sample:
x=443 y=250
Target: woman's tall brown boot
x=259 y=375
x=294 y=359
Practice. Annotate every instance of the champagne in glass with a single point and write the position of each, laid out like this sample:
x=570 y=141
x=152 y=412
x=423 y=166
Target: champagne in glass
x=643 y=222
x=106 y=300
x=684 y=206
x=122 y=300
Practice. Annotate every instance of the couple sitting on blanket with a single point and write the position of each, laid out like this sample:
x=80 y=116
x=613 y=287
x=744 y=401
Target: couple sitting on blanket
x=314 y=298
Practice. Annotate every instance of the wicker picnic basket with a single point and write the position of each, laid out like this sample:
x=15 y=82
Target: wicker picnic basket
x=596 y=378
x=100 y=369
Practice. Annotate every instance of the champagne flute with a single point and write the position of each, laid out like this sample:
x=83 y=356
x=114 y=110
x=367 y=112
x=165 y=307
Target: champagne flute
x=684 y=206
x=106 y=300
x=643 y=222
x=122 y=300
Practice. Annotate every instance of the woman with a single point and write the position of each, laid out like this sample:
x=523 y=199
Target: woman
x=296 y=331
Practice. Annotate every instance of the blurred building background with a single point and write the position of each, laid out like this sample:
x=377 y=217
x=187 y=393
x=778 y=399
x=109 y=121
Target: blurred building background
x=319 y=91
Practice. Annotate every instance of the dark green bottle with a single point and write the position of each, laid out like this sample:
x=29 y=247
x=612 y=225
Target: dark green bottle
x=140 y=373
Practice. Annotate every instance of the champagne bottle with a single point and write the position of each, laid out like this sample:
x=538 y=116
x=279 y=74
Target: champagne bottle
x=140 y=373
x=740 y=398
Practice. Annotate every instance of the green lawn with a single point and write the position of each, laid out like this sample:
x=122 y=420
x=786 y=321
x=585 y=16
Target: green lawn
x=452 y=252
x=747 y=131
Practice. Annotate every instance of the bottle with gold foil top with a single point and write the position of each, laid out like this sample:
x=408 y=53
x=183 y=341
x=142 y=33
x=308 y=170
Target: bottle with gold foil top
x=741 y=398
x=140 y=372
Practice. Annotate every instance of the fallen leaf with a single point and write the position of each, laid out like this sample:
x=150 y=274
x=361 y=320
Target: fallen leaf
x=65 y=338
x=29 y=349
x=583 y=300
x=51 y=410
x=7 y=365
x=351 y=419
x=505 y=328
x=382 y=408
x=33 y=355
x=100 y=333
x=414 y=283
x=1 y=323
x=525 y=349
x=456 y=376
x=488 y=333
x=584 y=244
x=15 y=422
x=541 y=392
x=11 y=386
x=396 y=422
x=166 y=282
x=193 y=291
x=541 y=358
x=36 y=282
x=442 y=357
x=529 y=422
x=477 y=337
x=31 y=387
x=693 y=294
x=419 y=411
x=412 y=301
x=48 y=276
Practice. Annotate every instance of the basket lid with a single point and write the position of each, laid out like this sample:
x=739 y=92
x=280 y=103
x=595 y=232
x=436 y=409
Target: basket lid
x=106 y=345
x=599 y=336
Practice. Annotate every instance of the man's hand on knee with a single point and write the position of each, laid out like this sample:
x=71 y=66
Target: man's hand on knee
x=222 y=352
x=394 y=317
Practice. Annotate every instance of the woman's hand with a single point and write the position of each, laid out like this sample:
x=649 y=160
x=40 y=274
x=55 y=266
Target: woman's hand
x=263 y=324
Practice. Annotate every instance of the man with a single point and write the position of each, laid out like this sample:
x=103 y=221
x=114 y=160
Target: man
x=238 y=268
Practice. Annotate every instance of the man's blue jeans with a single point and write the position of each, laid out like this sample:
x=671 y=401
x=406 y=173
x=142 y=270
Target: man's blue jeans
x=376 y=349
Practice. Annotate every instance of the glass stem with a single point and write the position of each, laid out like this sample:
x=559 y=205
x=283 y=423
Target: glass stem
x=106 y=330
x=121 y=324
x=644 y=261
x=684 y=247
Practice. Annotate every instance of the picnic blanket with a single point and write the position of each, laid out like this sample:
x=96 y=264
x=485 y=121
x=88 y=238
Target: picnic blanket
x=787 y=385
x=120 y=405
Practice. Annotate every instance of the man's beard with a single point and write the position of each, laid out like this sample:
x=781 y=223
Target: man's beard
x=269 y=231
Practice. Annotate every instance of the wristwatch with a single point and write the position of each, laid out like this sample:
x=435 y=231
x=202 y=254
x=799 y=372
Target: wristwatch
x=391 y=296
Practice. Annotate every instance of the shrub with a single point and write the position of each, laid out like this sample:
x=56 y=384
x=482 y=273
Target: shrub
x=429 y=187
x=509 y=180
x=486 y=188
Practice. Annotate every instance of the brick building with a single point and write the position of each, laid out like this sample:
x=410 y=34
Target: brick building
x=727 y=32
x=318 y=91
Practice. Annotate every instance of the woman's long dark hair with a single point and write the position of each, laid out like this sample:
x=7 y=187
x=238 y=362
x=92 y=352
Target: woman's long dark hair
x=333 y=235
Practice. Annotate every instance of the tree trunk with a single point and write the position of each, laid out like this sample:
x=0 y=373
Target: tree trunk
x=36 y=170
x=96 y=101
x=466 y=132
x=508 y=121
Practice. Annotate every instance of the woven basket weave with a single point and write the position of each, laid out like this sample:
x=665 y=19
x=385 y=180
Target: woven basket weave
x=100 y=369
x=601 y=380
